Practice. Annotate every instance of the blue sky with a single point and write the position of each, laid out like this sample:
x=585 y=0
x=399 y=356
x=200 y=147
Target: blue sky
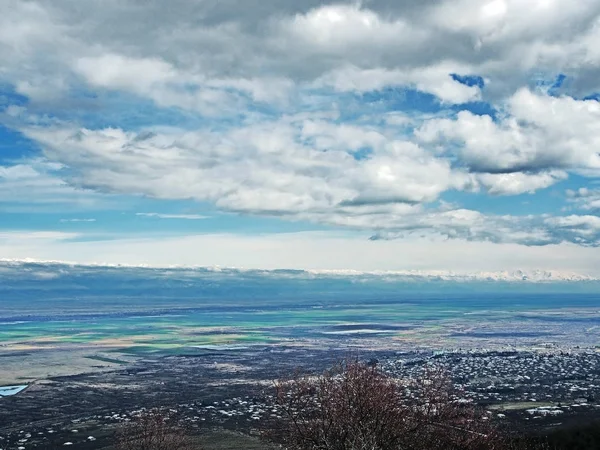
x=453 y=135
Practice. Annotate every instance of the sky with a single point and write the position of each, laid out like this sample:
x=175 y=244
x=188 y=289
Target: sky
x=458 y=135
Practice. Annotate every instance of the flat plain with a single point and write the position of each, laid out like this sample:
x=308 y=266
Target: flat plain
x=94 y=345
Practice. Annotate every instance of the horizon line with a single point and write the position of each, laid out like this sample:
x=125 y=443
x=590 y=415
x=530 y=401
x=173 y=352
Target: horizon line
x=507 y=275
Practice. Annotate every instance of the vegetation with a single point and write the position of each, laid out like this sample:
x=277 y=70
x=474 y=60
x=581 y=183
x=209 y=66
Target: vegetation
x=583 y=437
x=357 y=407
x=153 y=430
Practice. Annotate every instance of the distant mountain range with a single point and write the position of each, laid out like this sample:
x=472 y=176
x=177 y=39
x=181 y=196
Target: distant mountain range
x=532 y=276
x=515 y=275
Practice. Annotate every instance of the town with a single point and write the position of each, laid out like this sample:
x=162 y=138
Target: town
x=525 y=390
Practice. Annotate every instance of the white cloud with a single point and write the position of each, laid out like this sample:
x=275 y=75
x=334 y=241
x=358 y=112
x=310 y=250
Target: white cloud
x=299 y=169
x=436 y=80
x=283 y=168
x=276 y=70
x=173 y=216
x=519 y=182
x=342 y=28
x=586 y=226
x=119 y=72
x=585 y=198
x=155 y=79
x=268 y=48
x=38 y=182
x=539 y=133
x=463 y=224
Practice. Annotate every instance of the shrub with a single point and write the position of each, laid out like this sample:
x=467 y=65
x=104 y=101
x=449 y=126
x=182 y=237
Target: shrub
x=358 y=407
x=152 y=430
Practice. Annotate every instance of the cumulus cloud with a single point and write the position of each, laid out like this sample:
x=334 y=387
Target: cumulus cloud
x=519 y=182
x=294 y=174
x=304 y=169
x=38 y=182
x=277 y=91
x=538 y=133
x=585 y=198
x=280 y=168
x=436 y=80
x=580 y=229
x=474 y=226
x=265 y=46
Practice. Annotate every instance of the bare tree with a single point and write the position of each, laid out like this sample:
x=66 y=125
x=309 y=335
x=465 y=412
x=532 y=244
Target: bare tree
x=443 y=419
x=358 y=407
x=152 y=430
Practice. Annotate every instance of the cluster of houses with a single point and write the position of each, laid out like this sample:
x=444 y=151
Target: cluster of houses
x=532 y=385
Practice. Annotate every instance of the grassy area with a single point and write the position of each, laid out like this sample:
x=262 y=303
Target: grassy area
x=225 y=440
x=229 y=440
x=515 y=406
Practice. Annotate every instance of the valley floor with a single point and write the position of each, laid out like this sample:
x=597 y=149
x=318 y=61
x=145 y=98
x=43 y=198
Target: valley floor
x=222 y=396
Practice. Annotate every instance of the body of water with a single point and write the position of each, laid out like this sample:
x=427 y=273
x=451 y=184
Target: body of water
x=6 y=391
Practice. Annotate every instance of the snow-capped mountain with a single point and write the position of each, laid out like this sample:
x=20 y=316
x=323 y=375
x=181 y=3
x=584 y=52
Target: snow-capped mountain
x=532 y=276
